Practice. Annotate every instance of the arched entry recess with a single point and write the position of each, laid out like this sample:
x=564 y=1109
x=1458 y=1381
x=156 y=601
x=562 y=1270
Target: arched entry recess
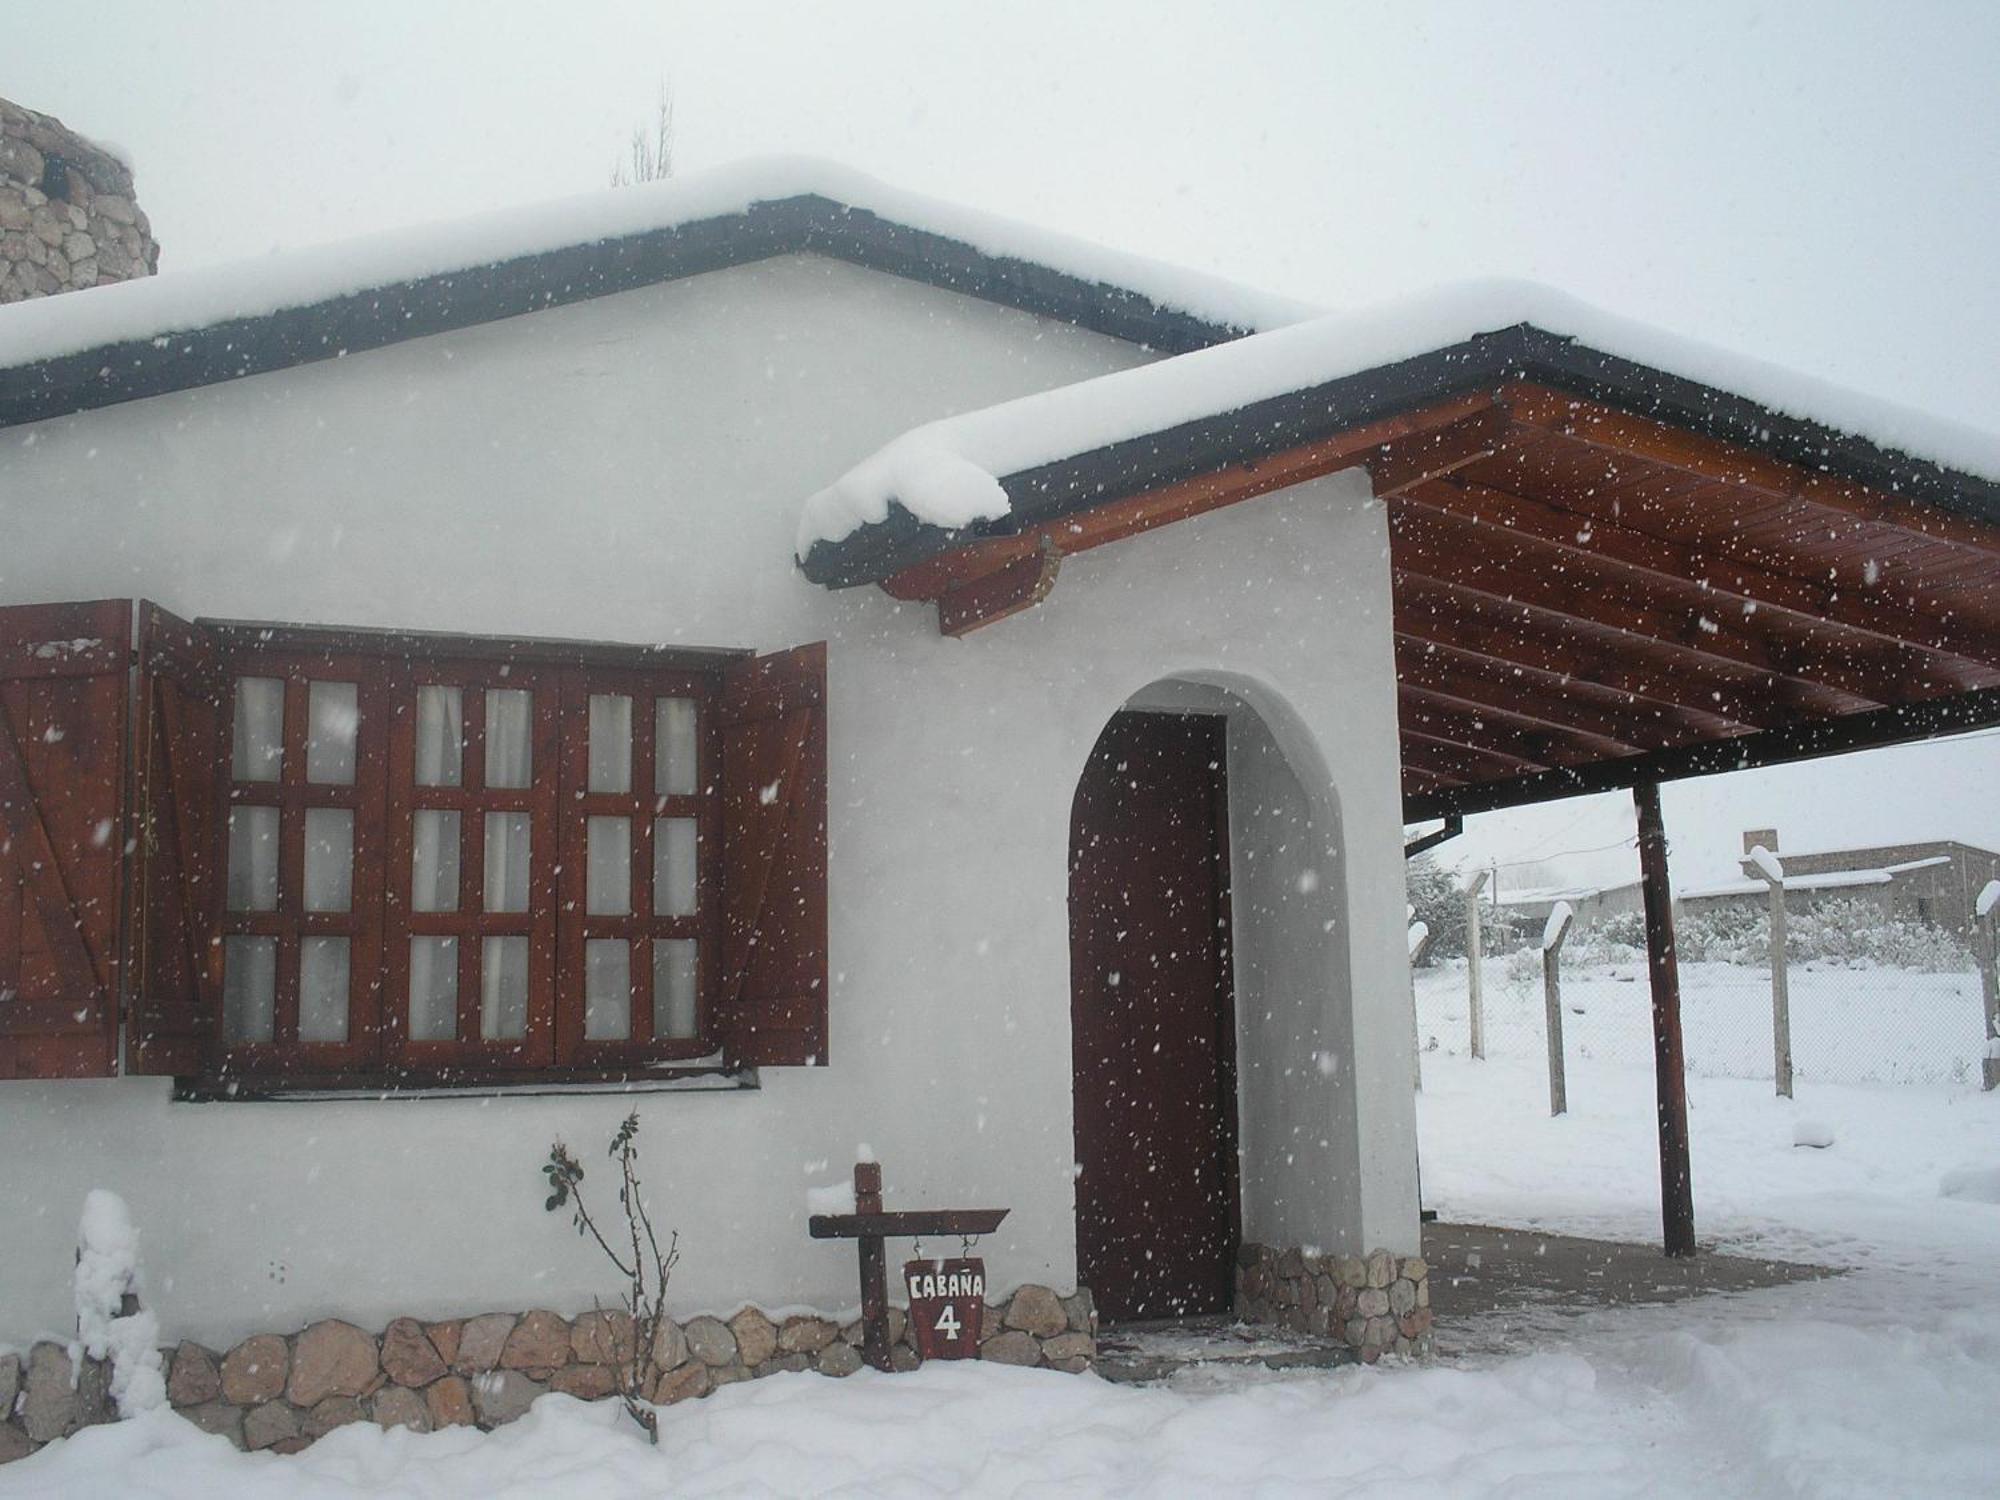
x=1211 y=1058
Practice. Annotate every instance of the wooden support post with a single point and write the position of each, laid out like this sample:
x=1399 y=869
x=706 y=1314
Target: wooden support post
x=1988 y=949
x=1669 y=1069
x=1553 y=937
x=1475 y=1003
x=874 y=1268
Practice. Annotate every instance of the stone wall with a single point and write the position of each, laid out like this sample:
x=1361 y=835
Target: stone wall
x=68 y=218
x=281 y=1392
x=1379 y=1304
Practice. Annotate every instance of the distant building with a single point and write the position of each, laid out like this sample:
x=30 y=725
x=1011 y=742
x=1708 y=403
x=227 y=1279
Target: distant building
x=1934 y=882
x=1529 y=906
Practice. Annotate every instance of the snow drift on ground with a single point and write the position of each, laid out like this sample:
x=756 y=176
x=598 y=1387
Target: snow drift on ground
x=1880 y=1382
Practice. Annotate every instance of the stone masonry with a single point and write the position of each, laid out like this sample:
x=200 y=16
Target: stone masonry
x=280 y=1392
x=1377 y=1304
x=68 y=219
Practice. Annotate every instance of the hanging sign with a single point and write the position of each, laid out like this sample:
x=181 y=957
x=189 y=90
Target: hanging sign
x=947 y=1305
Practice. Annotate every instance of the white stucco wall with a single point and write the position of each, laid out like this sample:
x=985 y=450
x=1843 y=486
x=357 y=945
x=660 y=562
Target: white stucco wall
x=630 y=469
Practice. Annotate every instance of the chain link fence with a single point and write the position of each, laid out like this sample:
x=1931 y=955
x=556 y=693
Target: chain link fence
x=1870 y=1001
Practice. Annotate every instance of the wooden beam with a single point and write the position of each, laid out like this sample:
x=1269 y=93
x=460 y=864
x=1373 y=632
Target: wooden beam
x=1544 y=744
x=1133 y=514
x=1589 y=534
x=1669 y=1066
x=1471 y=762
x=1453 y=827
x=1545 y=699
x=1807 y=740
x=1423 y=457
x=1453 y=554
x=1018 y=585
x=1511 y=634
x=1615 y=431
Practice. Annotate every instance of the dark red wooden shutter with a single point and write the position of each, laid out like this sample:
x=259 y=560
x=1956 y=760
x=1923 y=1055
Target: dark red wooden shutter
x=772 y=1007
x=177 y=750
x=64 y=688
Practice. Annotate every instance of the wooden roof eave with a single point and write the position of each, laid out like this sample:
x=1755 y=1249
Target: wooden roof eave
x=1551 y=642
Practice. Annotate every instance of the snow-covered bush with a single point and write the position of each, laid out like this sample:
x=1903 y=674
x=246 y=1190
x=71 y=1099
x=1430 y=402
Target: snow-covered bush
x=1723 y=934
x=1439 y=901
x=110 y=1323
x=1616 y=939
x=1835 y=931
x=1856 y=932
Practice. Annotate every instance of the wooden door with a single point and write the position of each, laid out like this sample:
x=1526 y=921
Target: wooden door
x=1152 y=1040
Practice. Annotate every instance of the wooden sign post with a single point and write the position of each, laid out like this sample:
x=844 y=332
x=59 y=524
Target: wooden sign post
x=870 y=1226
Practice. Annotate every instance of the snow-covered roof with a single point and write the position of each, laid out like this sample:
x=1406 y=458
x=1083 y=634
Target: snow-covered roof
x=950 y=473
x=1537 y=895
x=175 y=303
x=1828 y=881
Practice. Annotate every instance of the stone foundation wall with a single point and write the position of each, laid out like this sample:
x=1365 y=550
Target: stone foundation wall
x=68 y=219
x=281 y=1392
x=1379 y=1304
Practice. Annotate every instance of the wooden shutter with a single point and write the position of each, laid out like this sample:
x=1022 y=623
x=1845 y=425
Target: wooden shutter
x=772 y=1007
x=177 y=751
x=64 y=689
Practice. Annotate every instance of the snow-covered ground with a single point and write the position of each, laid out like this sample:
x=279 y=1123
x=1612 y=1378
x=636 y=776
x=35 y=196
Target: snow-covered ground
x=1850 y=1024
x=1881 y=1382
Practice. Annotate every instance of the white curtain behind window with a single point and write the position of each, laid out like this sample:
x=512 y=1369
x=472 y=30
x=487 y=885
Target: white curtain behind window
x=440 y=736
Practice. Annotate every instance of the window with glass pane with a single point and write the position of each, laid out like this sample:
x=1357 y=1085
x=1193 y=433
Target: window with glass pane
x=442 y=869
x=301 y=869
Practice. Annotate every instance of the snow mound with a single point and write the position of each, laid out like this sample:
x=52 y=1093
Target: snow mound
x=1814 y=1133
x=1971 y=1184
x=1989 y=897
x=1560 y=916
x=834 y=1198
x=107 y=1268
x=1765 y=863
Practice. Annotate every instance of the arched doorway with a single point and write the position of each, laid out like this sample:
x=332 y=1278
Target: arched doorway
x=1153 y=1028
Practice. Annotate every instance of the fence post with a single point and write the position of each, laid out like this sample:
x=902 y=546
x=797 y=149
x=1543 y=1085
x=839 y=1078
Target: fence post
x=1987 y=910
x=1420 y=939
x=1552 y=940
x=1473 y=952
x=1763 y=865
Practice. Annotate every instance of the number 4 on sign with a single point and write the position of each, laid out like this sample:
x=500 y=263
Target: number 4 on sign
x=947 y=1306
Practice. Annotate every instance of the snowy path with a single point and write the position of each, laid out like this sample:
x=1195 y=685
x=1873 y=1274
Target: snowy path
x=1882 y=1382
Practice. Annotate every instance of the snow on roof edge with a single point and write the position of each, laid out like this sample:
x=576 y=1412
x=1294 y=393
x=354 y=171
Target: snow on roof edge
x=948 y=472
x=174 y=303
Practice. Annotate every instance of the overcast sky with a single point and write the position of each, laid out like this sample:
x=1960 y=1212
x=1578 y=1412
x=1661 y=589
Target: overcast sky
x=1812 y=183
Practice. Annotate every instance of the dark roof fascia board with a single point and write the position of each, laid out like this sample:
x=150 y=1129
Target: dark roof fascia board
x=1054 y=491
x=379 y=316
x=1899 y=724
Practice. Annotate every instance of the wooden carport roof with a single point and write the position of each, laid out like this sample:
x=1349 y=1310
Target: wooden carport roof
x=1603 y=575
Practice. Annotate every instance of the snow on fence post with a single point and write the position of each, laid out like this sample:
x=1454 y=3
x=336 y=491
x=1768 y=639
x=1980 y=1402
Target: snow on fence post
x=1761 y=864
x=1553 y=935
x=1475 y=1005
x=1987 y=910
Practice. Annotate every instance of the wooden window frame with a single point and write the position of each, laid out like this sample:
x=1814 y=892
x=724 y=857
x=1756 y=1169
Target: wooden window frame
x=388 y=668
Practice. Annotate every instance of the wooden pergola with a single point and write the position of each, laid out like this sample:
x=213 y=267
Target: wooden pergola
x=1604 y=577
